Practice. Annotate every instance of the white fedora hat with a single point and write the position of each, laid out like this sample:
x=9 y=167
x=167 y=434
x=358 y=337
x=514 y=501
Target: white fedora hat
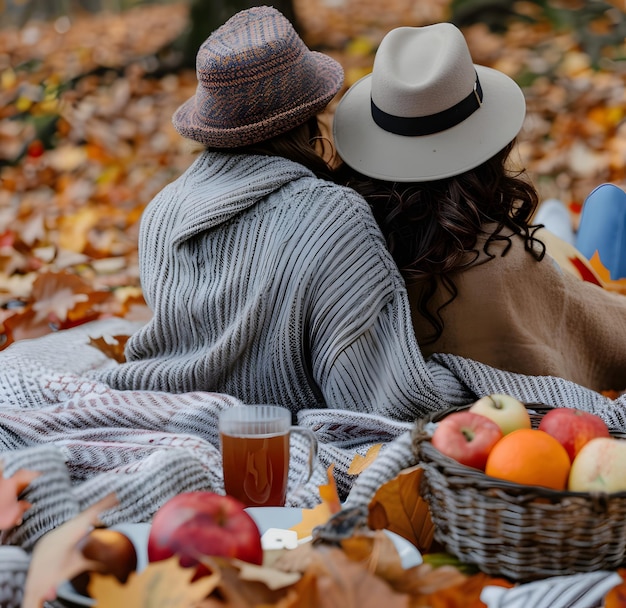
x=426 y=111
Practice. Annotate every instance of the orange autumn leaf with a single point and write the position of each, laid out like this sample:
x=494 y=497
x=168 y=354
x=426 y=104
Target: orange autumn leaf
x=616 y=597
x=114 y=348
x=618 y=285
x=57 y=293
x=465 y=594
x=398 y=506
x=360 y=463
x=163 y=584
x=321 y=513
x=11 y=509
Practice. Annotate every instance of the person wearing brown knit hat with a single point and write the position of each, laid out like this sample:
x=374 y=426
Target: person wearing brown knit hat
x=269 y=281
x=256 y=80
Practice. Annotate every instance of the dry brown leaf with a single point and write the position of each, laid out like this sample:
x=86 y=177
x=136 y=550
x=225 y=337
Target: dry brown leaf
x=272 y=578
x=398 y=506
x=112 y=347
x=360 y=463
x=57 y=293
x=333 y=579
x=234 y=592
x=320 y=513
x=57 y=556
x=163 y=584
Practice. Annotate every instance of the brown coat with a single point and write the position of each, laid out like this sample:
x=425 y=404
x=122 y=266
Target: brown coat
x=534 y=318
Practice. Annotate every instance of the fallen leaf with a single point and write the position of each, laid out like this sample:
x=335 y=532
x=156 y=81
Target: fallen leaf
x=320 y=513
x=464 y=594
x=272 y=578
x=57 y=293
x=57 y=556
x=57 y=305
x=237 y=589
x=333 y=579
x=163 y=584
x=112 y=347
x=398 y=506
x=360 y=463
x=618 y=285
x=616 y=597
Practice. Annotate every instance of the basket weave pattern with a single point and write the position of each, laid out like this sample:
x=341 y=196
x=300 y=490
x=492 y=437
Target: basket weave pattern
x=519 y=532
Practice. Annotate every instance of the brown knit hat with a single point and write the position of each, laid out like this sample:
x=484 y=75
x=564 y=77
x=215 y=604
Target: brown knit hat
x=256 y=79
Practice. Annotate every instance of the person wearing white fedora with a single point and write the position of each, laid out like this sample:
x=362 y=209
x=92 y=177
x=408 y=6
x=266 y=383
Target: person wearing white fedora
x=427 y=138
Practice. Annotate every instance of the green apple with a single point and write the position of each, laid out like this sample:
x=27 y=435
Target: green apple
x=506 y=411
x=599 y=466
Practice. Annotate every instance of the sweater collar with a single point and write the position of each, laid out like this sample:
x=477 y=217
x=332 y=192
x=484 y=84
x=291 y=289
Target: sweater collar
x=218 y=186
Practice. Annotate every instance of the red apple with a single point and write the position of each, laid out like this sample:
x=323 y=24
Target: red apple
x=466 y=437
x=573 y=428
x=506 y=411
x=204 y=524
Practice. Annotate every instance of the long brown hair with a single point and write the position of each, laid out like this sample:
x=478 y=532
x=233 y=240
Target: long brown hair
x=304 y=144
x=432 y=228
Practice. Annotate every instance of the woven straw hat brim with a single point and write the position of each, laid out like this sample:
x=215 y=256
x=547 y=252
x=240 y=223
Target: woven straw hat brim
x=374 y=152
x=329 y=81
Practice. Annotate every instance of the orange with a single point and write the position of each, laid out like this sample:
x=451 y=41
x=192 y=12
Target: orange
x=530 y=457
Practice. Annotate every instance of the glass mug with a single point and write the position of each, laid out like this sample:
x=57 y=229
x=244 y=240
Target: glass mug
x=255 y=453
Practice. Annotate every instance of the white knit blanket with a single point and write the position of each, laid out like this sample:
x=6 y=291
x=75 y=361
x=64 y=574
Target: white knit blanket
x=88 y=439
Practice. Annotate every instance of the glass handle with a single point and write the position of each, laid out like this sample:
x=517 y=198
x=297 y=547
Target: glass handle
x=310 y=435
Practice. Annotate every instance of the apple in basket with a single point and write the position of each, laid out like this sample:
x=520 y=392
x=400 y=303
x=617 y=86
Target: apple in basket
x=202 y=523
x=573 y=428
x=467 y=437
x=506 y=411
x=600 y=466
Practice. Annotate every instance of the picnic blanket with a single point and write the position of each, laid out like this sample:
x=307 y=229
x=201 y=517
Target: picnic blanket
x=88 y=439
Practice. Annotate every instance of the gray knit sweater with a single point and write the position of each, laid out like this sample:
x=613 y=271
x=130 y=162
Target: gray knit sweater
x=276 y=287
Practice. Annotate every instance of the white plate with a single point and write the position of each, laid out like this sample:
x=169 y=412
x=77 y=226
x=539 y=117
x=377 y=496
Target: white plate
x=285 y=517
x=265 y=518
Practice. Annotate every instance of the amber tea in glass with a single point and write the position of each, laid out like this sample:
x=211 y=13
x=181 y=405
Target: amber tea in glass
x=255 y=453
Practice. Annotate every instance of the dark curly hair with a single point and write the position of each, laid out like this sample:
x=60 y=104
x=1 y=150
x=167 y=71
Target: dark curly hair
x=432 y=228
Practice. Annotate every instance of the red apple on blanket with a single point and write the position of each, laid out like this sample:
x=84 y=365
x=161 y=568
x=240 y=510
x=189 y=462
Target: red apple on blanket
x=506 y=411
x=467 y=437
x=600 y=466
x=201 y=523
x=573 y=428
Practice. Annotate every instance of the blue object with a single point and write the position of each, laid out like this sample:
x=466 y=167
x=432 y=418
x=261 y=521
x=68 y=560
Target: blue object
x=603 y=228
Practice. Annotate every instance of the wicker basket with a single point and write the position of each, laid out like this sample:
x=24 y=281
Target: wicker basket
x=519 y=532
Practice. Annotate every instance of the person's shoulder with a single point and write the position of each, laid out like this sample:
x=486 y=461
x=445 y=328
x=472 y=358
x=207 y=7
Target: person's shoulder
x=339 y=193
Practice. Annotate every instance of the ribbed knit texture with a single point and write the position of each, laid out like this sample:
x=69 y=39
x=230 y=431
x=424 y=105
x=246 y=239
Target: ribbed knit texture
x=275 y=287
x=279 y=291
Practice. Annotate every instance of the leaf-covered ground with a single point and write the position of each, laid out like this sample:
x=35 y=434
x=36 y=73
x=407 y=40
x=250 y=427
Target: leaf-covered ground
x=86 y=138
